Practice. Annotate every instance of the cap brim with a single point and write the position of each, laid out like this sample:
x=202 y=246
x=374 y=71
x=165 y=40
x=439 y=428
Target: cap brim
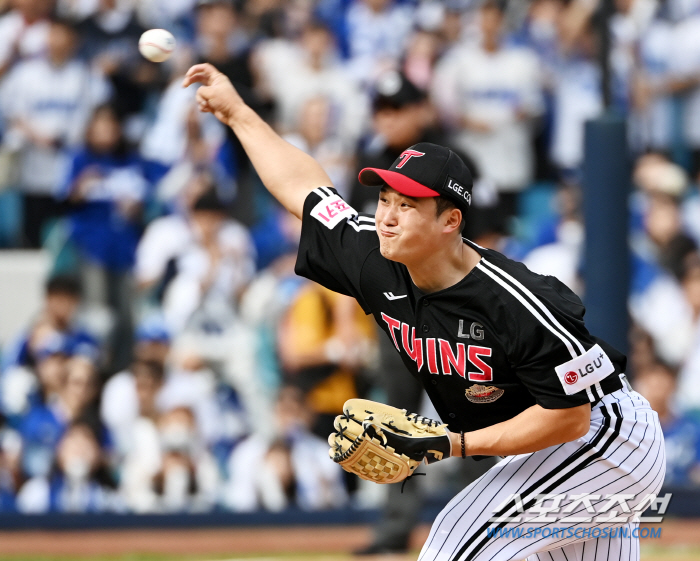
x=373 y=177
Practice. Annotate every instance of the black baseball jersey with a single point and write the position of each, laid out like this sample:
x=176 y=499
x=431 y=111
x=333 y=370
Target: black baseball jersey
x=485 y=349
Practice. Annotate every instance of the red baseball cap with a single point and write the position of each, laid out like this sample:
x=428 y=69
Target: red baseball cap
x=426 y=170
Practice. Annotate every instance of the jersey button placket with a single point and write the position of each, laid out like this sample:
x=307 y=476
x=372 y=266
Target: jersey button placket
x=425 y=328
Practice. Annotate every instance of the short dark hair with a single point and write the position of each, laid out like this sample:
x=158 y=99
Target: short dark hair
x=151 y=367
x=62 y=284
x=442 y=204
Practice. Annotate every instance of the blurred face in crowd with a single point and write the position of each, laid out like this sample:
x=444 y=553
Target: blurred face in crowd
x=491 y=24
x=314 y=120
x=452 y=27
x=62 y=42
x=403 y=126
x=52 y=373
x=317 y=42
x=663 y=219
x=421 y=53
x=279 y=460
x=377 y=6
x=156 y=351
x=33 y=10
x=207 y=224
x=177 y=430
x=81 y=384
x=291 y=411
x=78 y=454
x=657 y=384
x=148 y=383
x=691 y=282
x=215 y=24
x=104 y=131
x=60 y=308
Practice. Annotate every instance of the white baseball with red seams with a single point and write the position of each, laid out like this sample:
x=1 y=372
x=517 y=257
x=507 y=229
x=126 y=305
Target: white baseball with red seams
x=157 y=44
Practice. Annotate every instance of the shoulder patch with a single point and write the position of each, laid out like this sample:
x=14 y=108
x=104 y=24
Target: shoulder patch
x=585 y=370
x=332 y=210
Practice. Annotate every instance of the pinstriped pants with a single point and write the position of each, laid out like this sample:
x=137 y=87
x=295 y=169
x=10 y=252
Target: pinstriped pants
x=622 y=454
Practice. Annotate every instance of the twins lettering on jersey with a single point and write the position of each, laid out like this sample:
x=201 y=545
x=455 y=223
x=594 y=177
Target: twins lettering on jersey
x=438 y=354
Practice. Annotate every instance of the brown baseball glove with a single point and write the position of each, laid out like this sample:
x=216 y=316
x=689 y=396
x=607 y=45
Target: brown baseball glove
x=384 y=444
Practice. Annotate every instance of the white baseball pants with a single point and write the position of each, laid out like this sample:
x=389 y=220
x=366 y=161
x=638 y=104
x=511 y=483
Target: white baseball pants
x=619 y=463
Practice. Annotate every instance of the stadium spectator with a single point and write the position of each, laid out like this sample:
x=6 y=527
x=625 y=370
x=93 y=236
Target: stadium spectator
x=110 y=42
x=79 y=482
x=324 y=343
x=576 y=85
x=314 y=136
x=561 y=257
x=24 y=31
x=10 y=468
x=105 y=189
x=168 y=469
x=212 y=267
x=688 y=386
x=652 y=122
x=294 y=73
x=685 y=81
x=62 y=299
x=377 y=31
x=289 y=469
x=658 y=384
x=45 y=104
x=126 y=397
x=493 y=92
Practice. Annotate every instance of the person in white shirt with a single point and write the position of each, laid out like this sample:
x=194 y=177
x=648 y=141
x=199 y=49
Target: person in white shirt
x=377 y=32
x=45 y=104
x=294 y=73
x=287 y=468
x=494 y=92
x=23 y=31
x=685 y=74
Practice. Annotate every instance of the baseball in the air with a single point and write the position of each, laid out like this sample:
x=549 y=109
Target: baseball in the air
x=157 y=44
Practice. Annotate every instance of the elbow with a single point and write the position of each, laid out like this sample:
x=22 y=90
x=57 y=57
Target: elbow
x=580 y=422
x=581 y=429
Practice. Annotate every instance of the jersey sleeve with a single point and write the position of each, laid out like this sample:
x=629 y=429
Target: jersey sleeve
x=553 y=354
x=335 y=242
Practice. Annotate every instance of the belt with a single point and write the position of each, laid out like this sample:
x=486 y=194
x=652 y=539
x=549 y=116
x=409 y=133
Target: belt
x=611 y=384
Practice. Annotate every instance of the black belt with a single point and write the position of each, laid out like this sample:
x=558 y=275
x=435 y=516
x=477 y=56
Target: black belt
x=611 y=384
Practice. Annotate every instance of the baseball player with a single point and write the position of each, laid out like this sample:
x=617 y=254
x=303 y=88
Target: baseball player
x=503 y=353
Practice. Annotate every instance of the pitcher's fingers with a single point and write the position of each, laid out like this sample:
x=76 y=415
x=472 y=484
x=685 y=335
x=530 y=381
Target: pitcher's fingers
x=198 y=73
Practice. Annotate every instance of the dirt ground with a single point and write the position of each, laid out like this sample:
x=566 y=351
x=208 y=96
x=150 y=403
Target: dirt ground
x=680 y=540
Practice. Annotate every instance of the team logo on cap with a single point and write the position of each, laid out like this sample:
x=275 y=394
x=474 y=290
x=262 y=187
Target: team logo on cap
x=483 y=394
x=407 y=155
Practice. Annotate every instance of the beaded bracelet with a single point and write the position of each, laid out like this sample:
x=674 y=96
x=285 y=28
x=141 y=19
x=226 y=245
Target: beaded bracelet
x=464 y=452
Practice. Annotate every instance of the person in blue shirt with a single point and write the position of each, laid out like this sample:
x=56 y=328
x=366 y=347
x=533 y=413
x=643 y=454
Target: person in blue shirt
x=106 y=189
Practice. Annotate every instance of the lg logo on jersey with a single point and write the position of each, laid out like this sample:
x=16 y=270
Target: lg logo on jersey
x=571 y=377
x=430 y=351
x=476 y=331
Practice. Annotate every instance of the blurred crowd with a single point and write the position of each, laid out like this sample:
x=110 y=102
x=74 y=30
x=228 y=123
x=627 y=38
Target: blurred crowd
x=178 y=364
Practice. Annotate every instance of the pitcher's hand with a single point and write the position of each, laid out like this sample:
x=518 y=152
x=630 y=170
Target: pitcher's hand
x=216 y=94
